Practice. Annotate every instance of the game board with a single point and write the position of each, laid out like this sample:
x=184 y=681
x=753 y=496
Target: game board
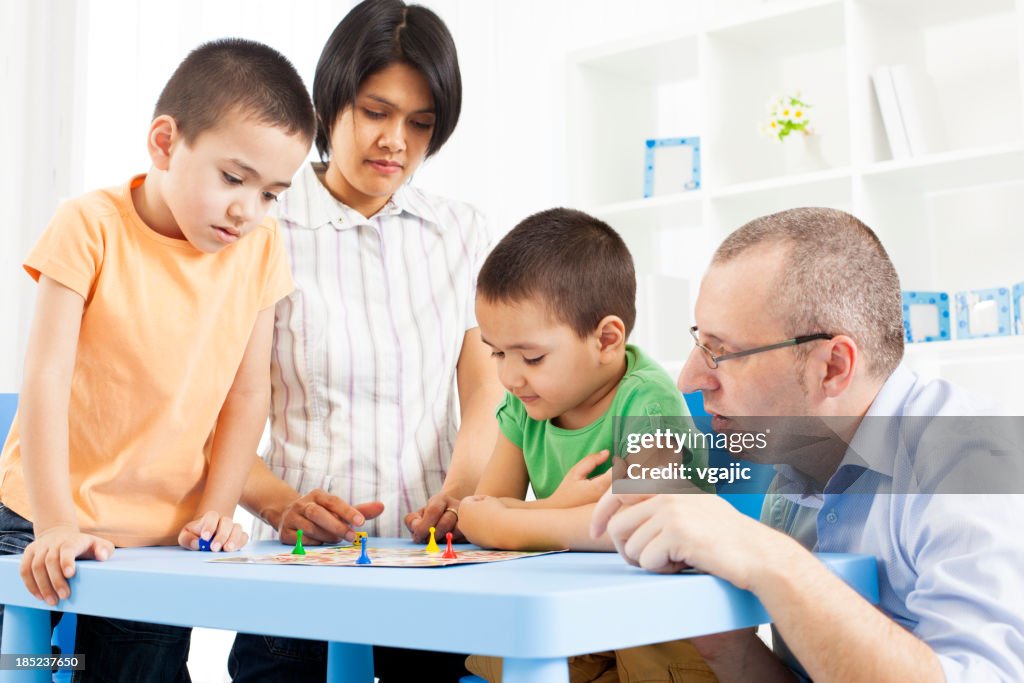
x=345 y=556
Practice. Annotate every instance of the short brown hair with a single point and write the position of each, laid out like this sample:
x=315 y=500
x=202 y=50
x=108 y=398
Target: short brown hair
x=576 y=264
x=836 y=277
x=236 y=75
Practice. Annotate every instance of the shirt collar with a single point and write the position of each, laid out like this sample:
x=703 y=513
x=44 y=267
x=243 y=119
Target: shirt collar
x=309 y=205
x=876 y=440
x=873 y=446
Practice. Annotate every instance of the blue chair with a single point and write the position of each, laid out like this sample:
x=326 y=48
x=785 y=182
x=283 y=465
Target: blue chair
x=8 y=406
x=64 y=634
x=745 y=496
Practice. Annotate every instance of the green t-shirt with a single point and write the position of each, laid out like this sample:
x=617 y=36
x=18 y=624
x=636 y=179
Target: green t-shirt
x=549 y=451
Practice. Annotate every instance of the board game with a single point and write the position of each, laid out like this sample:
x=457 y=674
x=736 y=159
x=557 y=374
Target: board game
x=346 y=556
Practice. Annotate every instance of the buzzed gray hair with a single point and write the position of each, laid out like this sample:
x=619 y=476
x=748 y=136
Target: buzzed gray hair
x=836 y=277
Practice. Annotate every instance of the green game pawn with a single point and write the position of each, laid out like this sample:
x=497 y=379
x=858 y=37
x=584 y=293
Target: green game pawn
x=298 y=549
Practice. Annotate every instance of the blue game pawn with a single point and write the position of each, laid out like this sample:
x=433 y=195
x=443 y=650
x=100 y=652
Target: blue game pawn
x=204 y=545
x=364 y=558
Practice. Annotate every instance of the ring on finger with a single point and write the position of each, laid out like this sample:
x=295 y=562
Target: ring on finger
x=454 y=512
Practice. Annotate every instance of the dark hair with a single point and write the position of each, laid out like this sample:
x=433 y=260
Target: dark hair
x=236 y=75
x=371 y=37
x=836 y=277
x=576 y=264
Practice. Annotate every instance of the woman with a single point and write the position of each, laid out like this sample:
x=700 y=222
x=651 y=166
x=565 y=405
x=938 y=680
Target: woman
x=369 y=349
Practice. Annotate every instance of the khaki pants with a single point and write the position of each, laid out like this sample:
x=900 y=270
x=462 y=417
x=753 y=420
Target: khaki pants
x=676 y=661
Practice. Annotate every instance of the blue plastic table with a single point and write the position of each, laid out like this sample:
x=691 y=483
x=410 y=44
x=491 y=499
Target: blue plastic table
x=534 y=612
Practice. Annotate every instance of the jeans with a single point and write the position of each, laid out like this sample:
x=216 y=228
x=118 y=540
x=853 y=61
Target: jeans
x=265 y=659
x=115 y=650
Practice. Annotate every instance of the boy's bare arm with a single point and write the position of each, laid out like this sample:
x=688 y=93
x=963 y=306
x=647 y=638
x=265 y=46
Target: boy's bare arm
x=505 y=475
x=577 y=488
x=43 y=404
x=489 y=523
x=241 y=422
x=49 y=561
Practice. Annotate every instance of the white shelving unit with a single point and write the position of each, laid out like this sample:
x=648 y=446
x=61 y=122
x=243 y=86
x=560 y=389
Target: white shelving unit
x=949 y=218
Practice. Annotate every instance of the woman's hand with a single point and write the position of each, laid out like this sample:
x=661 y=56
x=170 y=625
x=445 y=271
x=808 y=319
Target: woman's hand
x=324 y=518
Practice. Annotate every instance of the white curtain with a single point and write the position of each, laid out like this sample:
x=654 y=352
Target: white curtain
x=40 y=153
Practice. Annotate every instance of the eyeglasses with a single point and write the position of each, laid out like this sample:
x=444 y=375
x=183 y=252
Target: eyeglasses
x=712 y=360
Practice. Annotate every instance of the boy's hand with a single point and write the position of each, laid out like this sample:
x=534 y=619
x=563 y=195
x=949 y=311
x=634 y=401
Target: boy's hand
x=440 y=512
x=220 y=530
x=576 y=489
x=480 y=516
x=324 y=518
x=49 y=561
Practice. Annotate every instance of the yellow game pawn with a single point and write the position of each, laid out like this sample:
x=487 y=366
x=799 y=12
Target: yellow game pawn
x=432 y=548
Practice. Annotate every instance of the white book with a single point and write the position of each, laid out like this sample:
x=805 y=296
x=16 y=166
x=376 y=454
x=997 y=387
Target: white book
x=918 y=104
x=892 y=117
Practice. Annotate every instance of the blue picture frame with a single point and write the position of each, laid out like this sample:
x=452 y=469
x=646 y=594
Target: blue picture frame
x=941 y=329
x=653 y=145
x=968 y=301
x=1018 y=307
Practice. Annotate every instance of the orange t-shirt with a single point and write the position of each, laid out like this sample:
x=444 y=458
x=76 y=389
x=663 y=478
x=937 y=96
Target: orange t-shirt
x=163 y=332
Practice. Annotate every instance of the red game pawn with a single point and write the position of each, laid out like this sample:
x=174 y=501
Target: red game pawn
x=449 y=553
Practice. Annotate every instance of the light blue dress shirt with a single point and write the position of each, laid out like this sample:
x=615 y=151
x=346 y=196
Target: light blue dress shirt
x=951 y=565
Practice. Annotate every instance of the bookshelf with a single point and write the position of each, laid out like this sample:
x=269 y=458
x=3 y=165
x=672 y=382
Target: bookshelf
x=947 y=217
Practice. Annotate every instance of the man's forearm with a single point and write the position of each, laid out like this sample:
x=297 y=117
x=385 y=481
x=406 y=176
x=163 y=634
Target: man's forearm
x=834 y=633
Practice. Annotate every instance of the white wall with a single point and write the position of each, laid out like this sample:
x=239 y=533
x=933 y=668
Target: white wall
x=80 y=78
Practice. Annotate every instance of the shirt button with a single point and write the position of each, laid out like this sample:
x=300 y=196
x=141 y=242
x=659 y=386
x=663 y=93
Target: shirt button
x=832 y=517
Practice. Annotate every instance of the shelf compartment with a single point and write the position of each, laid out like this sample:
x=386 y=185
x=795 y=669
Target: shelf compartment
x=630 y=92
x=963 y=60
x=747 y=64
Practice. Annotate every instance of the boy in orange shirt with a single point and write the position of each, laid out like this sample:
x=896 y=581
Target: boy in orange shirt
x=147 y=376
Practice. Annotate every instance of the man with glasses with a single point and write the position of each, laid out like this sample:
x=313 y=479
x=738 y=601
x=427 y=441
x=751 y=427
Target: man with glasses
x=800 y=315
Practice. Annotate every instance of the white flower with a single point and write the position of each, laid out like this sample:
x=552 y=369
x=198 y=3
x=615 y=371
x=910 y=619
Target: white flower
x=788 y=114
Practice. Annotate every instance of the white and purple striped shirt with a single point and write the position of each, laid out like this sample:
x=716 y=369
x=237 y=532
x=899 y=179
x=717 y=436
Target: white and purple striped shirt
x=364 y=401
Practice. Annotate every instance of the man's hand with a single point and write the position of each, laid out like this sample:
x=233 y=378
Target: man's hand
x=324 y=518
x=49 y=561
x=577 y=488
x=440 y=512
x=220 y=530
x=666 y=533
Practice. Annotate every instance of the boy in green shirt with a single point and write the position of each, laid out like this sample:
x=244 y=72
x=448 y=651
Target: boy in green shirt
x=556 y=301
